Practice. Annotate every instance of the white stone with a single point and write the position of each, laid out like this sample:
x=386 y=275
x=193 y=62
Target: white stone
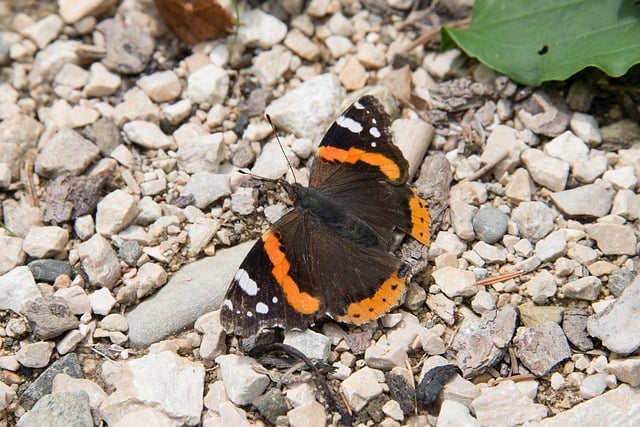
x=147 y=135
x=585 y=288
x=206 y=188
x=102 y=82
x=200 y=234
x=5 y=176
x=310 y=415
x=392 y=409
x=551 y=247
x=102 y=301
x=338 y=46
x=70 y=341
x=589 y=170
x=45 y=30
x=506 y=405
x=16 y=287
x=177 y=112
x=492 y=254
x=360 y=388
x=622 y=178
x=45 y=242
x=241 y=381
x=546 y=170
x=385 y=355
x=35 y=355
x=260 y=29
x=11 y=254
x=301 y=45
x=593 y=385
x=72 y=76
x=213 y=339
x=63 y=383
x=115 y=212
x=310 y=343
x=161 y=86
x=150 y=277
x=208 y=84
x=76 y=298
x=585 y=127
x=301 y=394
x=626 y=204
x=455 y=414
x=568 y=147
x=450 y=243
x=542 y=285
x=202 y=153
x=73 y=11
x=99 y=262
x=270 y=65
x=455 y=282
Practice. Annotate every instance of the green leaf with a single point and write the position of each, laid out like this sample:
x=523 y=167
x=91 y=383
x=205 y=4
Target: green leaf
x=533 y=41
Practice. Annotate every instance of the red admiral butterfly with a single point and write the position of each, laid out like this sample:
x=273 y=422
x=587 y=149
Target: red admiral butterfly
x=330 y=254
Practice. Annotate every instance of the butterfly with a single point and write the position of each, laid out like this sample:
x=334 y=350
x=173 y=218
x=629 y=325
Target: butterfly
x=330 y=254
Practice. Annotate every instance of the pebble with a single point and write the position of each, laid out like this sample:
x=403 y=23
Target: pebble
x=208 y=84
x=361 y=387
x=617 y=406
x=483 y=302
x=449 y=242
x=35 y=355
x=136 y=105
x=99 y=262
x=626 y=204
x=534 y=220
x=261 y=29
x=242 y=382
x=200 y=234
x=619 y=280
x=541 y=347
x=45 y=242
x=593 y=385
x=101 y=82
x=147 y=135
x=353 y=75
x=130 y=251
x=591 y=200
x=490 y=224
x=310 y=343
x=545 y=113
x=613 y=239
x=574 y=325
x=508 y=404
x=385 y=355
x=101 y=301
x=541 y=287
x=455 y=282
x=44 y=31
x=213 y=339
x=622 y=178
x=271 y=164
x=151 y=379
x=616 y=326
x=201 y=153
x=271 y=405
x=150 y=277
x=307 y=110
x=76 y=299
x=61 y=409
x=546 y=170
x=128 y=47
x=301 y=45
x=16 y=288
x=533 y=315
x=66 y=153
x=161 y=86
x=477 y=339
x=442 y=306
x=503 y=141
x=191 y=292
x=585 y=127
x=73 y=11
x=626 y=370
x=310 y=415
x=454 y=414
x=586 y=288
x=461 y=218
x=63 y=383
x=401 y=389
x=12 y=253
x=206 y=188
x=587 y=171
x=568 y=147
x=51 y=59
x=491 y=254
x=551 y=247
x=244 y=200
x=42 y=385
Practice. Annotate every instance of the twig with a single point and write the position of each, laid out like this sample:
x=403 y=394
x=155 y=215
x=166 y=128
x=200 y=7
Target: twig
x=430 y=34
x=500 y=278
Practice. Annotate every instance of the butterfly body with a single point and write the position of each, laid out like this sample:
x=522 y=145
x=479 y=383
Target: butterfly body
x=330 y=254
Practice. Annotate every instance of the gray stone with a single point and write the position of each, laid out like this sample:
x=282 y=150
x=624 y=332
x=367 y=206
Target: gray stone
x=271 y=405
x=130 y=251
x=194 y=290
x=619 y=280
x=574 y=325
x=60 y=410
x=35 y=355
x=48 y=270
x=618 y=325
x=541 y=347
x=490 y=224
x=541 y=286
x=49 y=316
x=66 y=153
x=534 y=220
x=588 y=200
x=129 y=47
x=68 y=364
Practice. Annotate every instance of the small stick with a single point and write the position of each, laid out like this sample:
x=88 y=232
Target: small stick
x=426 y=37
x=500 y=278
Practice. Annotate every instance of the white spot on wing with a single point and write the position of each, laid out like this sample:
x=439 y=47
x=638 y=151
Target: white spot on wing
x=349 y=123
x=248 y=285
x=374 y=145
x=374 y=121
x=249 y=314
x=227 y=303
x=262 y=308
x=274 y=300
x=374 y=132
x=358 y=105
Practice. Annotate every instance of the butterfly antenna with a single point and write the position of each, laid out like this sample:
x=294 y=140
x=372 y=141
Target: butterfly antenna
x=275 y=132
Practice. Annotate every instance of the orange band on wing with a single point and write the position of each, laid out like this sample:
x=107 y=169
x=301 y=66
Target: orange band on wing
x=420 y=219
x=301 y=302
x=375 y=306
x=353 y=155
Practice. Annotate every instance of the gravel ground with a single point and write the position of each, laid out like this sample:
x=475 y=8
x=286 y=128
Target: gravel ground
x=125 y=217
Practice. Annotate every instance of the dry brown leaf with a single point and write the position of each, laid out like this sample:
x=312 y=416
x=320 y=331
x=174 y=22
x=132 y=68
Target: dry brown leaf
x=195 y=20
